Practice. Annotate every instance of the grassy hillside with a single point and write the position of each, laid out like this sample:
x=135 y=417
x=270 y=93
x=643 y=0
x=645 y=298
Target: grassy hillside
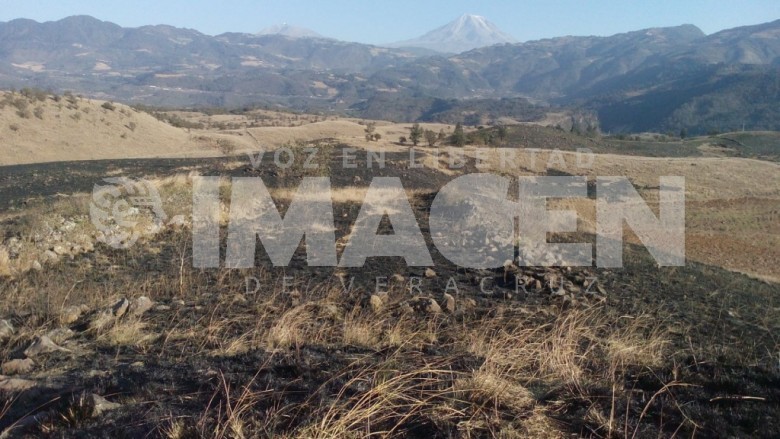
x=40 y=127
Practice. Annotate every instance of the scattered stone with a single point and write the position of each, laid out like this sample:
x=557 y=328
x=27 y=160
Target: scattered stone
x=17 y=367
x=449 y=303
x=178 y=221
x=399 y=278
x=50 y=256
x=560 y=292
x=141 y=305
x=376 y=303
x=100 y=404
x=6 y=329
x=406 y=308
x=43 y=345
x=60 y=250
x=469 y=303
x=426 y=305
x=162 y=308
x=60 y=335
x=429 y=273
x=14 y=384
x=70 y=315
x=36 y=266
x=120 y=308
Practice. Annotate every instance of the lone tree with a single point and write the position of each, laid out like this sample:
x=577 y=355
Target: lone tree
x=458 y=137
x=431 y=137
x=502 y=133
x=415 y=134
x=370 y=127
x=442 y=135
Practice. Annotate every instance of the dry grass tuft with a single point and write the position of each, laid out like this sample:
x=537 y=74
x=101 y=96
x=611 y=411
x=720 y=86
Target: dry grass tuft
x=5 y=262
x=292 y=329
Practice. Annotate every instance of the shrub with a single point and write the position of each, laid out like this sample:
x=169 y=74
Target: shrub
x=108 y=106
x=34 y=94
x=415 y=133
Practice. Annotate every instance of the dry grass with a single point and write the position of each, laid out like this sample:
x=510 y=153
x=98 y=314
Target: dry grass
x=5 y=262
x=59 y=134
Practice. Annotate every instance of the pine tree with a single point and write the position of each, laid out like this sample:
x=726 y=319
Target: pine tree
x=415 y=134
x=458 y=137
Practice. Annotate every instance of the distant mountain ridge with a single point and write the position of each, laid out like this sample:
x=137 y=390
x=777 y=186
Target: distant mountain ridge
x=651 y=79
x=289 y=30
x=465 y=33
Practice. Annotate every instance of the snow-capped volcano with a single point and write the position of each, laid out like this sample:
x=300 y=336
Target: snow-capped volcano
x=465 y=33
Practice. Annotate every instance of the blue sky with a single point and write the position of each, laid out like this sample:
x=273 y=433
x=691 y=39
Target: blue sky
x=387 y=21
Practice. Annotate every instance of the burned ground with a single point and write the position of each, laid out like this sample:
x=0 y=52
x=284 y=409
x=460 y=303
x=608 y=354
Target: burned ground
x=640 y=351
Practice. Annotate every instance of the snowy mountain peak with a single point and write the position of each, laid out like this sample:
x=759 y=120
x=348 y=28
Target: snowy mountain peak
x=464 y=33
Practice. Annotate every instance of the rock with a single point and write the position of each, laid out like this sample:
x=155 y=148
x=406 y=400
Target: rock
x=6 y=329
x=17 y=367
x=426 y=305
x=469 y=303
x=449 y=303
x=36 y=266
x=406 y=308
x=60 y=335
x=60 y=250
x=140 y=306
x=43 y=345
x=399 y=278
x=120 y=307
x=50 y=256
x=100 y=405
x=429 y=273
x=14 y=384
x=560 y=292
x=376 y=303
x=70 y=315
x=433 y=307
x=178 y=221
x=162 y=308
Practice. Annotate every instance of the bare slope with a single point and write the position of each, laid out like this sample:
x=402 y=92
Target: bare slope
x=44 y=128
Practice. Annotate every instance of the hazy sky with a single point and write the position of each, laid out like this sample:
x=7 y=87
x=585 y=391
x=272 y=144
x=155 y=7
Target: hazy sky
x=388 y=21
